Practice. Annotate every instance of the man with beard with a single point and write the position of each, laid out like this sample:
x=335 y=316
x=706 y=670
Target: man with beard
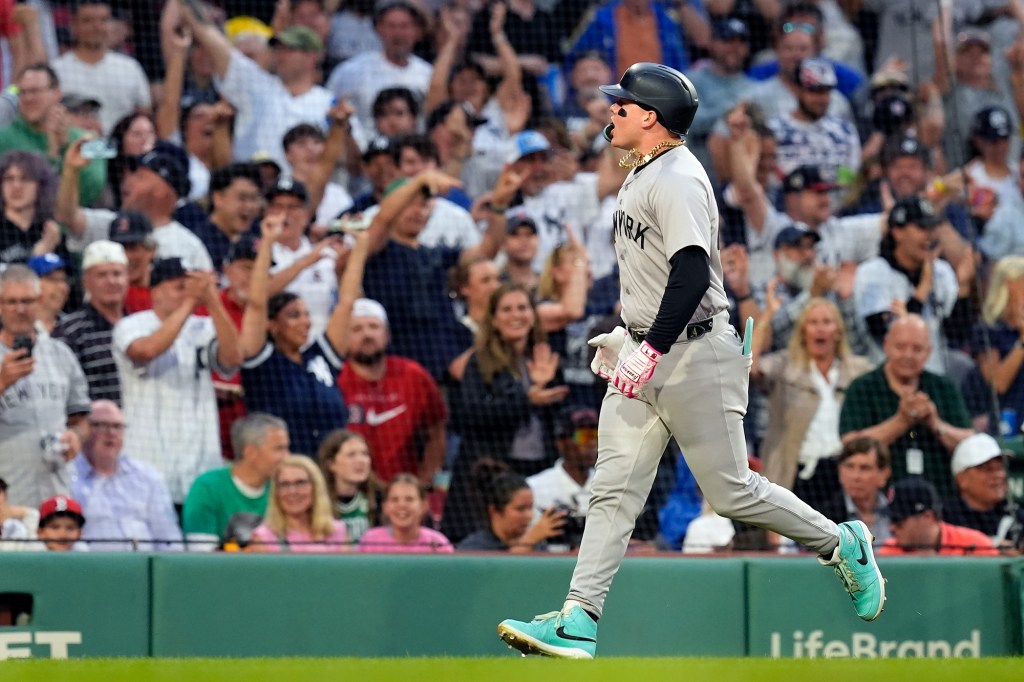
x=393 y=402
x=909 y=276
x=809 y=135
x=800 y=277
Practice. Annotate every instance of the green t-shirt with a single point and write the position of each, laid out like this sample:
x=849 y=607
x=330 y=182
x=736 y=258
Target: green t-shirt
x=870 y=401
x=355 y=514
x=20 y=135
x=212 y=500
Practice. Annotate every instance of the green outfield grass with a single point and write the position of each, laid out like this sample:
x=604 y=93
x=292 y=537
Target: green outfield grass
x=514 y=669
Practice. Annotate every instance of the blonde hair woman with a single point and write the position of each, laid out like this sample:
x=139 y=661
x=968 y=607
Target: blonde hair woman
x=998 y=340
x=299 y=517
x=805 y=385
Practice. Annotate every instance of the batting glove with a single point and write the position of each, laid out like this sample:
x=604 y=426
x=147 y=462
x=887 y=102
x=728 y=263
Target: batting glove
x=608 y=348
x=636 y=370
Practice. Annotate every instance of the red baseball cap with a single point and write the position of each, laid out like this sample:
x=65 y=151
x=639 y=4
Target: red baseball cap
x=60 y=505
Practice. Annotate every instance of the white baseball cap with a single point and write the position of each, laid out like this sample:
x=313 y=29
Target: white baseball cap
x=103 y=252
x=367 y=307
x=974 y=450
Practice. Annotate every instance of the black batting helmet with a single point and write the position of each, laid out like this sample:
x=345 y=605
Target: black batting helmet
x=661 y=88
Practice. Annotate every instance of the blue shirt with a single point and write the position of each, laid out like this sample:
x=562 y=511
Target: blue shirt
x=412 y=286
x=132 y=504
x=306 y=396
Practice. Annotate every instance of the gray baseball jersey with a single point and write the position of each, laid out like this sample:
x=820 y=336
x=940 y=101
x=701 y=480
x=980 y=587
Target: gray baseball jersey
x=665 y=207
x=37 y=408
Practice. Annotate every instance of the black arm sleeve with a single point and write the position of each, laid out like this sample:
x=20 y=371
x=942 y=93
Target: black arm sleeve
x=688 y=281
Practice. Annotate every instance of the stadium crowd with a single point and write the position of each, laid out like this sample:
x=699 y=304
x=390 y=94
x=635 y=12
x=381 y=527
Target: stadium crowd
x=319 y=275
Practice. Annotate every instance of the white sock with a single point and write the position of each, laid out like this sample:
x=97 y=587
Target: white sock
x=568 y=606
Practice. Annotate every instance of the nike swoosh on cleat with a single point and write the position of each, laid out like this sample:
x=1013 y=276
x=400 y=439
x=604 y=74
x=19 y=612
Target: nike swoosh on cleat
x=863 y=558
x=560 y=631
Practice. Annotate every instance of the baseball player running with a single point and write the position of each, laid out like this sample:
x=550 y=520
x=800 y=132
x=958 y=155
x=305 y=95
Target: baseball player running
x=676 y=370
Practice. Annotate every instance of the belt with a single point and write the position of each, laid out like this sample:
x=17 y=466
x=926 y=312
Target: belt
x=694 y=330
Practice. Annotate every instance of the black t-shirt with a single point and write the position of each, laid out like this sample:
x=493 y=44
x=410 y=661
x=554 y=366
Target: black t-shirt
x=411 y=284
x=539 y=35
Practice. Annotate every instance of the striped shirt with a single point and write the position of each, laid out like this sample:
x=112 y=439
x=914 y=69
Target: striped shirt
x=89 y=336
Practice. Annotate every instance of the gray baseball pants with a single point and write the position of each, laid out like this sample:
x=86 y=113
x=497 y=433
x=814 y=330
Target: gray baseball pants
x=698 y=394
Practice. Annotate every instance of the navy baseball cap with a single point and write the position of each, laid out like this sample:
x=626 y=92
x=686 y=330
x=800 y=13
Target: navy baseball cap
x=517 y=221
x=377 y=146
x=911 y=496
x=900 y=146
x=131 y=227
x=730 y=29
x=807 y=177
x=46 y=263
x=170 y=162
x=793 y=235
x=992 y=123
x=290 y=187
x=441 y=111
x=816 y=74
x=245 y=248
x=913 y=211
x=164 y=270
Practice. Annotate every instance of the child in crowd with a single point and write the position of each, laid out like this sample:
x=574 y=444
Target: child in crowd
x=405 y=506
x=344 y=459
x=60 y=525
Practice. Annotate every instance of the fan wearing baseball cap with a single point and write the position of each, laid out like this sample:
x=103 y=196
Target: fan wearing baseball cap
x=155 y=183
x=915 y=518
x=60 y=525
x=979 y=470
x=88 y=331
x=809 y=134
x=164 y=357
x=908 y=274
x=268 y=103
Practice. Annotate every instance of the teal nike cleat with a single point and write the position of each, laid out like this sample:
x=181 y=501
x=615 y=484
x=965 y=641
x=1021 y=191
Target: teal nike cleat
x=555 y=634
x=854 y=563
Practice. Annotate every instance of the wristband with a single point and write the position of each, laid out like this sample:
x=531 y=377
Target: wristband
x=495 y=208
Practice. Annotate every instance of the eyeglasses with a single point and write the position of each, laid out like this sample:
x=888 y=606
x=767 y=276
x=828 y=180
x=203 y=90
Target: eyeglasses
x=802 y=26
x=12 y=302
x=33 y=92
x=108 y=426
x=294 y=485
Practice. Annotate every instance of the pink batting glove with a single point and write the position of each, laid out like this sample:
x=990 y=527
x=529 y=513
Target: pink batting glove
x=636 y=370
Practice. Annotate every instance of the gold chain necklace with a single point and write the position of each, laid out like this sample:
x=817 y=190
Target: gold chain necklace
x=632 y=159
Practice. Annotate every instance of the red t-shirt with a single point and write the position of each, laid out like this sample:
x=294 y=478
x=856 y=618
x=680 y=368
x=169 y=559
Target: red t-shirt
x=953 y=541
x=392 y=412
x=137 y=300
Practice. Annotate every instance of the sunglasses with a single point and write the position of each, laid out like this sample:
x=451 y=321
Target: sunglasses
x=802 y=26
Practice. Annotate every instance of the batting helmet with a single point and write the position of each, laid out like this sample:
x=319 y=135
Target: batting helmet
x=660 y=88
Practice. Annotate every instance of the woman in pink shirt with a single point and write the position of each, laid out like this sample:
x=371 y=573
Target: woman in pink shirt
x=405 y=505
x=299 y=515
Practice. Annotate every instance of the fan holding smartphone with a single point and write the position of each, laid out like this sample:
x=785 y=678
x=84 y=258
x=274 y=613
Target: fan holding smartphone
x=41 y=384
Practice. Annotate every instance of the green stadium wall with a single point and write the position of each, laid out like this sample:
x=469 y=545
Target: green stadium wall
x=89 y=605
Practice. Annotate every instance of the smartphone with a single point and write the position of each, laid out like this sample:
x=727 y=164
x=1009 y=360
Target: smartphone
x=356 y=223
x=23 y=341
x=98 y=149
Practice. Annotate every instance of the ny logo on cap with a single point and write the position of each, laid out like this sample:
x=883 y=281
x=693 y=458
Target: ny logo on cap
x=998 y=119
x=926 y=208
x=61 y=503
x=909 y=145
x=899 y=215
